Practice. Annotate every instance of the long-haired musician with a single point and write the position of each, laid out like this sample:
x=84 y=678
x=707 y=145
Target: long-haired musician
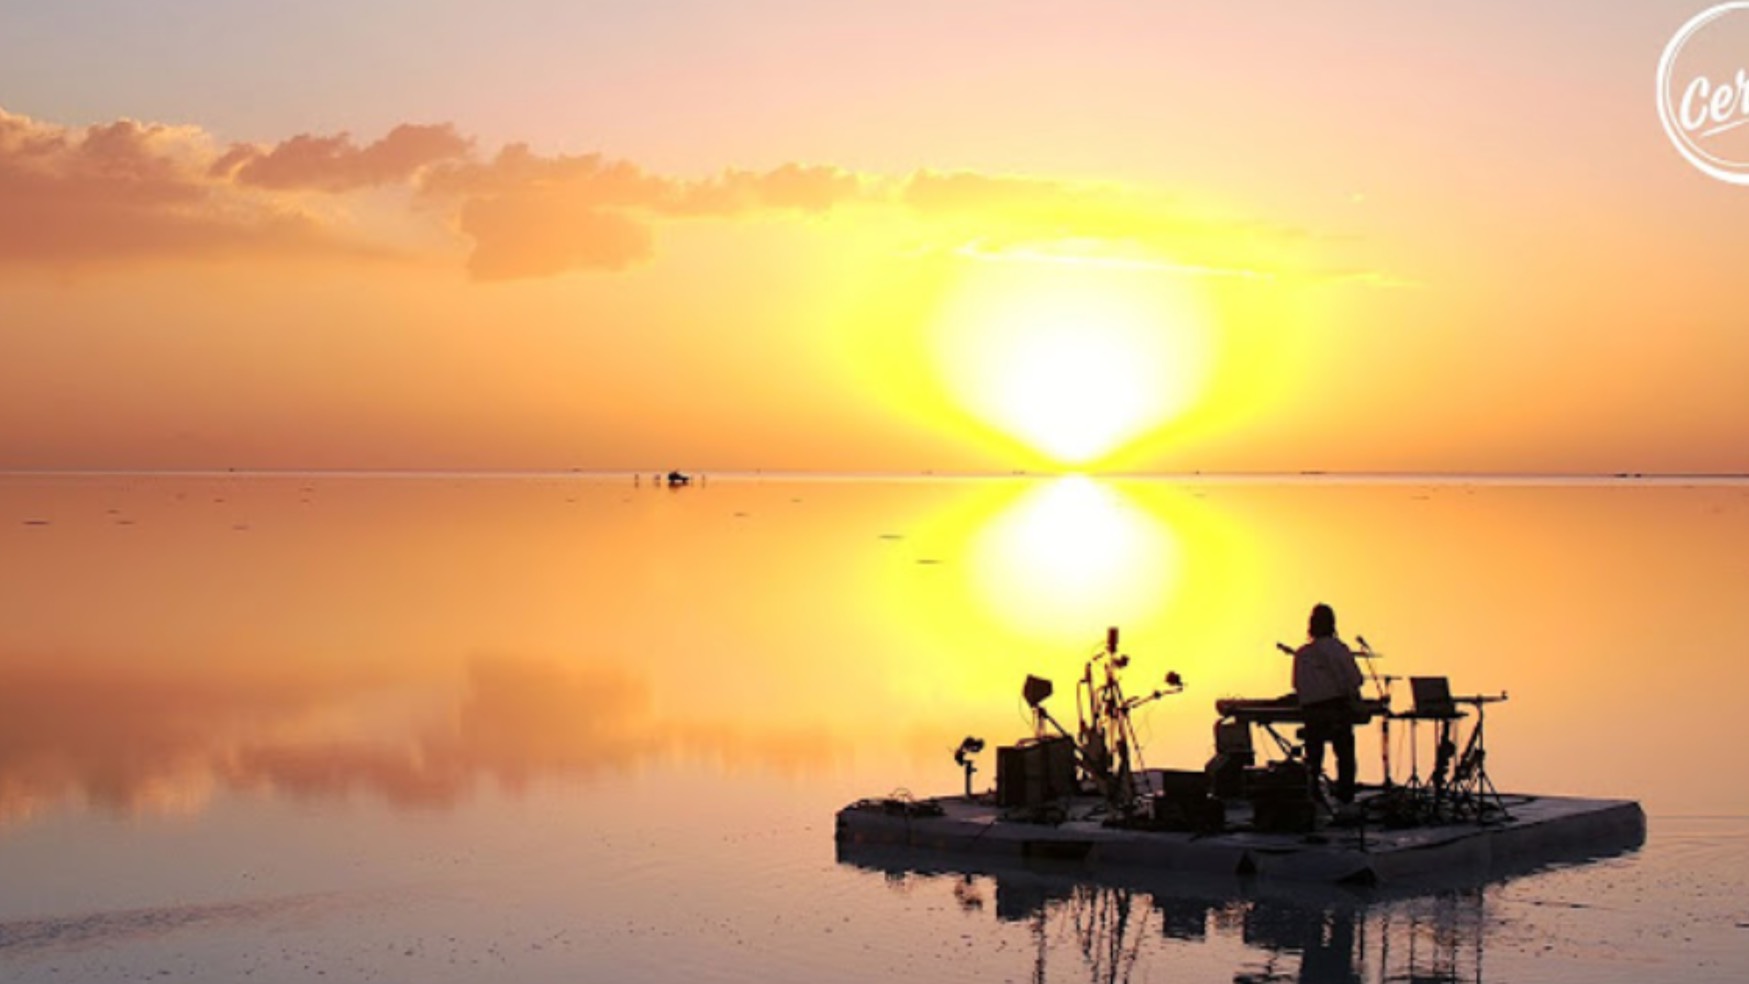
x=1327 y=682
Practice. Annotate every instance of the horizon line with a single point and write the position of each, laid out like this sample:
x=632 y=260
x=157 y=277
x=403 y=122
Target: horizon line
x=742 y=474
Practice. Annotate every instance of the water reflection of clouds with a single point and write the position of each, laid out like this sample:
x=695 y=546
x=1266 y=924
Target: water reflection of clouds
x=160 y=741
x=319 y=654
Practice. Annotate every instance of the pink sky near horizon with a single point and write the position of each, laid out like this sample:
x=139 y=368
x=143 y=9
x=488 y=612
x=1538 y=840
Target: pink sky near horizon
x=624 y=236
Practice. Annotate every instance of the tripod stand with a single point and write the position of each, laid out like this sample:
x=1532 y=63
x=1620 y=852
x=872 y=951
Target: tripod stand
x=1382 y=692
x=1105 y=744
x=1424 y=800
x=1109 y=749
x=1428 y=800
x=1470 y=783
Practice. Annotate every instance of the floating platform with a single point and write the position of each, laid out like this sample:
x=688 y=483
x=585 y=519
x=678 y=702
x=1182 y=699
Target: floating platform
x=1538 y=831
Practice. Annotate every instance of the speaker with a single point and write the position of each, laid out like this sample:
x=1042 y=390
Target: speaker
x=1034 y=772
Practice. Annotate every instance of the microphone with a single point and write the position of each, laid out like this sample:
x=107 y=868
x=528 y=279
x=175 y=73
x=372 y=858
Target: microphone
x=1284 y=647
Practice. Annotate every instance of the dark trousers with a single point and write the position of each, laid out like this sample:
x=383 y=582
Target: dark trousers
x=1331 y=721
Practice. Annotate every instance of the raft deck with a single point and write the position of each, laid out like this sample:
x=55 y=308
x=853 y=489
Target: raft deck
x=1541 y=830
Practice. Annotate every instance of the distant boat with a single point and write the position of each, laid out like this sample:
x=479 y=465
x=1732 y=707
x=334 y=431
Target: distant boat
x=676 y=479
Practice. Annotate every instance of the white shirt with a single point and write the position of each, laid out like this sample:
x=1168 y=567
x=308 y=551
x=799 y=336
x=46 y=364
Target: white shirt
x=1324 y=669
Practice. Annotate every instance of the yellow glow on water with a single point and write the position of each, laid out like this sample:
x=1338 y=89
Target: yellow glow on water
x=1071 y=557
x=1074 y=360
x=805 y=627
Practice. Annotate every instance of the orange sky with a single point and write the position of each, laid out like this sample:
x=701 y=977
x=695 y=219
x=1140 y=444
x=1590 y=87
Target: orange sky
x=1018 y=236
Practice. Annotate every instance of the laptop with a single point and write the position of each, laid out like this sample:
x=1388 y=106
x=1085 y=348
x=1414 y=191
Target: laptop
x=1433 y=697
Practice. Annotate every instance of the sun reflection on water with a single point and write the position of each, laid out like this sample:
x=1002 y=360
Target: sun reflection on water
x=1070 y=557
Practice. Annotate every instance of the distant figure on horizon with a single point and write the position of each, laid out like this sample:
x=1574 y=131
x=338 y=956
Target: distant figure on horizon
x=1327 y=682
x=676 y=479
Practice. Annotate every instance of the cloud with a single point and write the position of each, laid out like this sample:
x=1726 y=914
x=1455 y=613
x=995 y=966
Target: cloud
x=797 y=187
x=130 y=191
x=539 y=233
x=598 y=179
x=123 y=163
x=534 y=216
x=964 y=191
x=602 y=182
x=335 y=164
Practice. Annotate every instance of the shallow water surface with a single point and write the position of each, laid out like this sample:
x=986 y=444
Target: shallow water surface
x=575 y=728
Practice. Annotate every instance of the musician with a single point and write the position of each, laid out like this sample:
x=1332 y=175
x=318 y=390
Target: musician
x=1327 y=682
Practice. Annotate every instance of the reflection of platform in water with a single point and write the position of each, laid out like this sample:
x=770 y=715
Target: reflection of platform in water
x=1118 y=925
x=1542 y=830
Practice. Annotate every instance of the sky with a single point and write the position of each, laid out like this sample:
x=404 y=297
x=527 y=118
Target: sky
x=905 y=237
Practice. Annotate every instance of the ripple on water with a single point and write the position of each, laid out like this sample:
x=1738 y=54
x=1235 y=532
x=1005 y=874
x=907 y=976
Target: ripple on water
x=1677 y=908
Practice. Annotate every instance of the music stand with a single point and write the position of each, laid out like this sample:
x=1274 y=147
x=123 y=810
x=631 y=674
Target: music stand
x=1433 y=698
x=1433 y=702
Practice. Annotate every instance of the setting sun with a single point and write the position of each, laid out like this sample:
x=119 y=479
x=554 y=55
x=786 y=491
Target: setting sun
x=1073 y=359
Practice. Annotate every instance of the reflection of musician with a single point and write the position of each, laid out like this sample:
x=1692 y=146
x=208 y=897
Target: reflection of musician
x=1328 y=956
x=1327 y=683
